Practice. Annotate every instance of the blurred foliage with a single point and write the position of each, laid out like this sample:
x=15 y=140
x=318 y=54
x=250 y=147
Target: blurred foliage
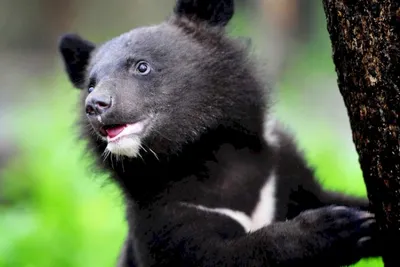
x=57 y=212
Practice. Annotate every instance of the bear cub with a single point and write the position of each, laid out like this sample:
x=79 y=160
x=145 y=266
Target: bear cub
x=177 y=114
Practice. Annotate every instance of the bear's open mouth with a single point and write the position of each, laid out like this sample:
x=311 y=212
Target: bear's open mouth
x=112 y=131
x=116 y=131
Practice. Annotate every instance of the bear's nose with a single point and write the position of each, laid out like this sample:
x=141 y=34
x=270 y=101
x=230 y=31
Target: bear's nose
x=98 y=104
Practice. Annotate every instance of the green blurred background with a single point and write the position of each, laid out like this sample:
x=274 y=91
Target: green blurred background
x=53 y=210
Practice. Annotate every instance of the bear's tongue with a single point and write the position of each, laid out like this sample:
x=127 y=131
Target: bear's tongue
x=115 y=130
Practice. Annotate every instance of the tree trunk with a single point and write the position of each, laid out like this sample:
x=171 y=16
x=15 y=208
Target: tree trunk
x=365 y=36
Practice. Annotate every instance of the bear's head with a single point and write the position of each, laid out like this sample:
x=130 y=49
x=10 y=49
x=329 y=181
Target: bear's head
x=158 y=88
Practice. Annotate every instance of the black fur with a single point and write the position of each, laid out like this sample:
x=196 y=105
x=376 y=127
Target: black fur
x=205 y=146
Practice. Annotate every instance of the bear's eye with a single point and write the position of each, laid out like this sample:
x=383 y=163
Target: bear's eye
x=92 y=84
x=143 y=68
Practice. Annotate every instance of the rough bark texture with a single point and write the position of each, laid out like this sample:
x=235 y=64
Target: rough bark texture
x=366 y=52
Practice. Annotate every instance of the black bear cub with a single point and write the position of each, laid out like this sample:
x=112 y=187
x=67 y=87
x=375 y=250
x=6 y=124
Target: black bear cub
x=177 y=113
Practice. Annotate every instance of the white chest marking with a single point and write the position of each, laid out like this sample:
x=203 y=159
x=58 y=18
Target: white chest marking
x=263 y=213
x=238 y=216
x=270 y=134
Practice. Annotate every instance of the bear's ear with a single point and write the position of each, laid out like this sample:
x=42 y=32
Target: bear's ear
x=75 y=53
x=214 y=12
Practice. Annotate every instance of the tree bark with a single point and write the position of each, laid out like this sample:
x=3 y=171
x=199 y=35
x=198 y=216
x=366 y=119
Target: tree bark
x=365 y=36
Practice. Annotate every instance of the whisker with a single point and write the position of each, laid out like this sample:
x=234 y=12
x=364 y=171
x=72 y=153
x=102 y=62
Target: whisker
x=105 y=154
x=112 y=163
x=140 y=145
x=141 y=156
x=122 y=163
x=162 y=135
x=154 y=153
